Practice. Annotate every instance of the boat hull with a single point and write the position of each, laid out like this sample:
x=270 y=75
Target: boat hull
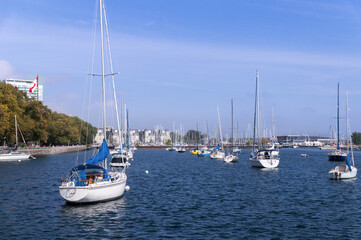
x=231 y=158
x=218 y=155
x=8 y=157
x=264 y=163
x=91 y=194
x=334 y=174
x=337 y=158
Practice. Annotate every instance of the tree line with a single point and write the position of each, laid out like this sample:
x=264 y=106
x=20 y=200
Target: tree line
x=38 y=123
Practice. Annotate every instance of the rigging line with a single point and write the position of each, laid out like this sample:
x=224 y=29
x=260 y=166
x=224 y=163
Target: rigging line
x=91 y=66
x=22 y=136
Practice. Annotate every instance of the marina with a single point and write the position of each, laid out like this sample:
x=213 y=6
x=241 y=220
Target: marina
x=202 y=120
x=185 y=197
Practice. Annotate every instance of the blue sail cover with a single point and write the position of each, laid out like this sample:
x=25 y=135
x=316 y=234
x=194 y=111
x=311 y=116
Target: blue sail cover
x=218 y=147
x=348 y=163
x=102 y=154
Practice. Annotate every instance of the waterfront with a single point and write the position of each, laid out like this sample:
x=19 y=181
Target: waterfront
x=186 y=197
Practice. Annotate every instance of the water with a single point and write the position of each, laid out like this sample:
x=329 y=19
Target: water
x=186 y=197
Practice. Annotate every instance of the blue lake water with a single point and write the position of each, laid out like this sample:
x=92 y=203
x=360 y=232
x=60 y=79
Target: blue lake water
x=186 y=197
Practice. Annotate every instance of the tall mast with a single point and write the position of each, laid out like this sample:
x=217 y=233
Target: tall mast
x=208 y=137
x=255 y=119
x=102 y=56
x=112 y=73
x=121 y=119
x=16 y=131
x=338 y=116
x=232 y=121
x=219 y=127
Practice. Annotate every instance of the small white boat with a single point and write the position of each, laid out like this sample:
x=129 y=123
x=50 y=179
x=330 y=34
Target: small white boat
x=236 y=150
x=303 y=155
x=231 y=158
x=181 y=150
x=14 y=156
x=218 y=154
x=265 y=158
x=342 y=171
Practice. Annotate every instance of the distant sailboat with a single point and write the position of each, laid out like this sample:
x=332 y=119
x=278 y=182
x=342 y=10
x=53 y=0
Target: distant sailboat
x=14 y=155
x=261 y=157
x=92 y=181
x=218 y=151
x=348 y=170
x=231 y=157
x=337 y=155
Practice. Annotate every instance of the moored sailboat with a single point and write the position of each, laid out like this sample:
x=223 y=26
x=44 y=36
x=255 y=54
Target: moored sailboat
x=348 y=170
x=338 y=155
x=14 y=154
x=261 y=157
x=93 y=181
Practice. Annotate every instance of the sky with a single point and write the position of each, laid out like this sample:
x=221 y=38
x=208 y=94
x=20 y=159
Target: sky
x=178 y=60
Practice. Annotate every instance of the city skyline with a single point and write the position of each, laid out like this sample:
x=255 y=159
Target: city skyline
x=178 y=61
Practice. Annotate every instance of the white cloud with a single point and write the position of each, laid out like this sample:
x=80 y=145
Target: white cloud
x=6 y=69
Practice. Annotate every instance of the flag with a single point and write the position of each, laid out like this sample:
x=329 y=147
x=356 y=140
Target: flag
x=35 y=84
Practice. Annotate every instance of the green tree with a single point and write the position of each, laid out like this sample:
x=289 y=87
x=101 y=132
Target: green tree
x=356 y=138
x=38 y=123
x=168 y=142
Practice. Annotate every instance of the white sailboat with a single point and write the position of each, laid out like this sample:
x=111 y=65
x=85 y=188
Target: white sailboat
x=348 y=170
x=218 y=151
x=14 y=155
x=92 y=181
x=261 y=157
x=231 y=157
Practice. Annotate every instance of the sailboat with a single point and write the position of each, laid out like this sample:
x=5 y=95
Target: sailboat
x=261 y=157
x=93 y=181
x=204 y=151
x=218 y=151
x=337 y=155
x=348 y=170
x=196 y=151
x=231 y=157
x=14 y=155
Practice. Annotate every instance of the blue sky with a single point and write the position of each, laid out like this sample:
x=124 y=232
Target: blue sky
x=178 y=60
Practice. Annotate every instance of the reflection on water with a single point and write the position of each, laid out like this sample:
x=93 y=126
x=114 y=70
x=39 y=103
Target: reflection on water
x=115 y=208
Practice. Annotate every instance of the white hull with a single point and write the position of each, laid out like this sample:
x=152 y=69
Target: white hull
x=98 y=192
x=14 y=156
x=264 y=163
x=342 y=172
x=218 y=155
x=231 y=158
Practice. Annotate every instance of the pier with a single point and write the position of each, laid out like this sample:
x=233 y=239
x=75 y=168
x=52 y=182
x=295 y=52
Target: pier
x=41 y=151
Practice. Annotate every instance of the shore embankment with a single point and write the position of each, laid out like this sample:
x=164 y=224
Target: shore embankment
x=41 y=151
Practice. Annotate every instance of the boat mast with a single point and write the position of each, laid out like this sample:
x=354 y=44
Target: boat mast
x=219 y=127
x=255 y=119
x=122 y=120
x=232 y=121
x=112 y=73
x=208 y=137
x=338 y=116
x=103 y=77
x=102 y=60
x=348 y=132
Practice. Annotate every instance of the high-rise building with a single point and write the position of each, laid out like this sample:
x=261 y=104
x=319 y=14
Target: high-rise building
x=25 y=85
